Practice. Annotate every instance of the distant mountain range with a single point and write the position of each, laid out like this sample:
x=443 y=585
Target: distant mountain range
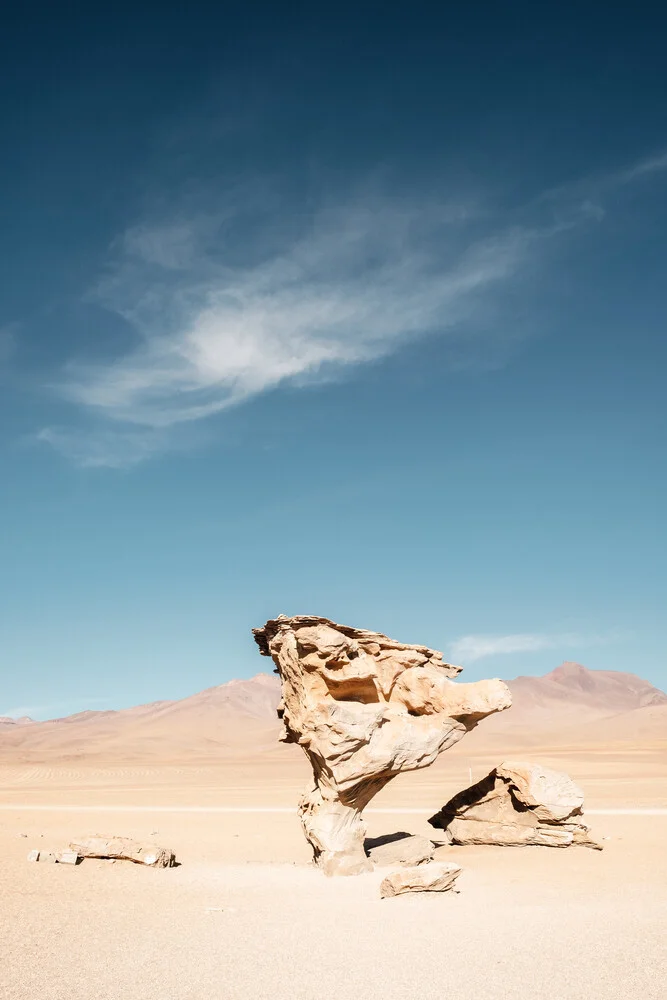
x=573 y=705
x=570 y=705
x=601 y=691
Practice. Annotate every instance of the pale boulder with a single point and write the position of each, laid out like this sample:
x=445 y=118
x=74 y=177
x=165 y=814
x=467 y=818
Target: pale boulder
x=515 y=805
x=411 y=850
x=68 y=858
x=425 y=878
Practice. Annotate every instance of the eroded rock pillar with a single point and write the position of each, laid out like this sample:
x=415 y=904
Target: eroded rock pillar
x=363 y=707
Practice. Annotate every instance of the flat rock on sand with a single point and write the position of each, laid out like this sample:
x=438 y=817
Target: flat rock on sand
x=125 y=849
x=401 y=850
x=425 y=878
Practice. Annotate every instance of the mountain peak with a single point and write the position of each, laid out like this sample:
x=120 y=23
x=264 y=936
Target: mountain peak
x=601 y=690
x=572 y=674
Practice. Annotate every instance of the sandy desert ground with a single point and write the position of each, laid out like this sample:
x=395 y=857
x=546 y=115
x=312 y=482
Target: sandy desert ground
x=245 y=915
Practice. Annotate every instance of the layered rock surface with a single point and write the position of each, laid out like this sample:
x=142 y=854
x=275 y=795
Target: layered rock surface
x=426 y=878
x=125 y=849
x=517 y=804
x=363 y=707
x=402 y=849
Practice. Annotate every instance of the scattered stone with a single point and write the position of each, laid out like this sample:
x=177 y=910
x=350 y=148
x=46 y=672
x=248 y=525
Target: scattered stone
x=517 y=804
x=125 y=849
x=363 y=708
x=23 y=835
x=400 y=850
x=68 y=858
x=425 y=878
x=33 y=856
x=48 y=857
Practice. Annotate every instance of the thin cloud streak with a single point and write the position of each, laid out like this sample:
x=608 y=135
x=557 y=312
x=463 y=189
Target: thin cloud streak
x=352 y=290
x=221 y=316
x=106 y=448
x=469 y=648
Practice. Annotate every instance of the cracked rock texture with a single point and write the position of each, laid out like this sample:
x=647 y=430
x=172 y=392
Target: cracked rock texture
x=517 y=804
x=125 y=849
x=402 y=850
x=426 y=878
x=363 y=707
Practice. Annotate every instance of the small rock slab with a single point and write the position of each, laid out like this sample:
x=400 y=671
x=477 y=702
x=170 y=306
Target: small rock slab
x=33 y=856
x=425 y=878
x=413 y=850
x=68 y=858
x=125 y=849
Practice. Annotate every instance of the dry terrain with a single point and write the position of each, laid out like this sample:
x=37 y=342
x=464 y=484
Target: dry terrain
x=246 y=916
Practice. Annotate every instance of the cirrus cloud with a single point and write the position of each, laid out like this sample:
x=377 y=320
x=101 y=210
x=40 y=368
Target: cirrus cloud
x=469 y=648
x=249 y=294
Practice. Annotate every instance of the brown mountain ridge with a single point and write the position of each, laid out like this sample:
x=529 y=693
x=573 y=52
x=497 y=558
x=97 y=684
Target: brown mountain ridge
x=569 y=704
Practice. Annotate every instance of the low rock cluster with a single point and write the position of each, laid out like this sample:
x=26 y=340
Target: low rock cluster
x=517 y=804
x=110 y=849
x=363 y=708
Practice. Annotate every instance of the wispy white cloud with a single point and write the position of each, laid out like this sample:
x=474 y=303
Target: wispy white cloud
x=650 y=165
x=469 y=648
x=351 y=288
x=586 y=195
x=234 y=301
x=104 y=447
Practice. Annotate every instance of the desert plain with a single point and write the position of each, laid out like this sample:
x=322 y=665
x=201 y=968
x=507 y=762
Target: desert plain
x=246 y=915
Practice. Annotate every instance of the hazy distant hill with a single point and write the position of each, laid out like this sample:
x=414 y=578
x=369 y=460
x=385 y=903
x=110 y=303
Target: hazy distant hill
x=601 y=691
x=569 y=705
x=575 y=705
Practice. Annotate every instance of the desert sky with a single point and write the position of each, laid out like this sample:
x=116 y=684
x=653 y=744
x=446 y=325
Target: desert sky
x=345 y=310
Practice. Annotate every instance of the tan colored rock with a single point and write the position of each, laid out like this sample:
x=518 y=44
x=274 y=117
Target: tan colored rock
x=517 y=804
x=68 y=858
x=409 y=850
x=124 y=849
x=33 y=856
x=363 y=708
x=426 y=878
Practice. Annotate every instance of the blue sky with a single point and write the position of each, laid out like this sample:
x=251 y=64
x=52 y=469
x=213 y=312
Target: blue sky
x=358 y=313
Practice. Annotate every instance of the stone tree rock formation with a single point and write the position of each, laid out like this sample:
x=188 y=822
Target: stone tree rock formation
x=517 y=804
x=364 y=708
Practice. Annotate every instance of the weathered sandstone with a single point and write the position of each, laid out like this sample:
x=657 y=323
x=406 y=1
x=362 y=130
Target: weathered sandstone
x=125 y=849
x=403 y=850
x=363 y=708
x=517 y=804
x=426 y=878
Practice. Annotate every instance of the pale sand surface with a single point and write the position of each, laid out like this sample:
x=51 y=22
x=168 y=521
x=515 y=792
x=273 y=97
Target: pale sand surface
x=246 y=916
